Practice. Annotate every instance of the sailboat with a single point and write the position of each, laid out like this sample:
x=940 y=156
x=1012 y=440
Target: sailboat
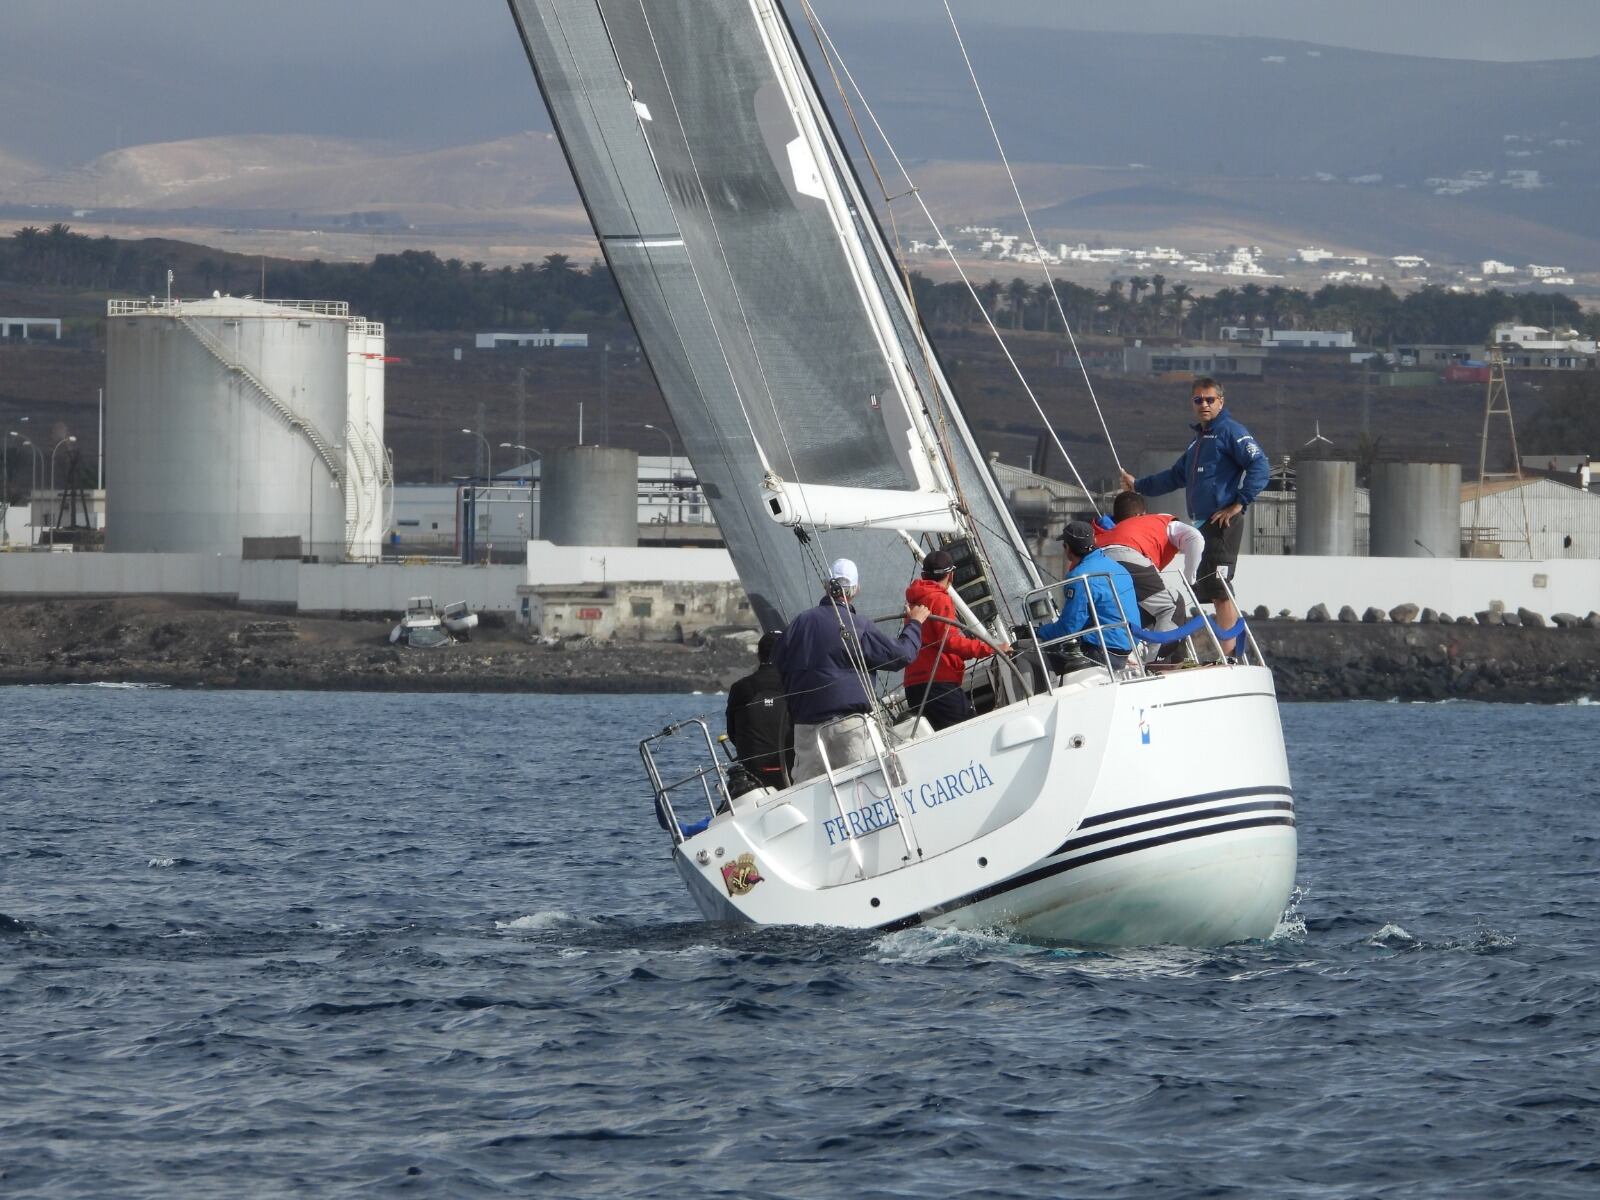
x=1103 y=805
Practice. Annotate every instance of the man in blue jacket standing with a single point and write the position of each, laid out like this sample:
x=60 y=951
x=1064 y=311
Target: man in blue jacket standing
x=1098 y=595
x=1221 y=473
x=822 y=657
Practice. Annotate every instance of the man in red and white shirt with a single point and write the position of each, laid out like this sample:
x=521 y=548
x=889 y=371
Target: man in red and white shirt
x=1146 y=544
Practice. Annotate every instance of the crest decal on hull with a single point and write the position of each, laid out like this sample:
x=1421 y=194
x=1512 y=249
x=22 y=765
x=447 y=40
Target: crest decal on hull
x=741 y=875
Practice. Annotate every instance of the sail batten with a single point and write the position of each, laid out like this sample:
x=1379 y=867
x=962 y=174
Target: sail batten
x=764 y=296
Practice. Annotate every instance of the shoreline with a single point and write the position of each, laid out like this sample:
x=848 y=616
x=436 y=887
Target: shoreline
x=200 y=645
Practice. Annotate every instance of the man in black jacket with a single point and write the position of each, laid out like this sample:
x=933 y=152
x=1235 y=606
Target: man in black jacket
x=758 y=720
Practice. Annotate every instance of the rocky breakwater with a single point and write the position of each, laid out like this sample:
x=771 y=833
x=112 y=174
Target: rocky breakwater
x=1409 y=653
x=190 y=643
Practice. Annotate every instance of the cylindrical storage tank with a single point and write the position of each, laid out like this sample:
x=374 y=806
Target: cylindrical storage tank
x=224 y=421
x=1325 y=507
x=1416 y=510
x=590 y=497
x=368 y=483
x=1152 y=461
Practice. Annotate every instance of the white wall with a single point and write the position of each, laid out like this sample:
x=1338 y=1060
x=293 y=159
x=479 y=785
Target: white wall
x=552 y=564
x=33 y=574
x=1459 y=587
x=363 y=587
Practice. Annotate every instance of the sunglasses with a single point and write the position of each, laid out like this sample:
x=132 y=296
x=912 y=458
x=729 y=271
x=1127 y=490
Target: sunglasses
x=1206 y=399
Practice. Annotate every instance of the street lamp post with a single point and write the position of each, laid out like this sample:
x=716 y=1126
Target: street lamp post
x=5 y=487
x=53 y=449
x=520 y=446
x=672 y=468
x=488 y=454
x=33 y=474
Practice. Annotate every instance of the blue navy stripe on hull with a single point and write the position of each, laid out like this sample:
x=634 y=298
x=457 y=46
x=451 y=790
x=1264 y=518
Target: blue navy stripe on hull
x=1273 y=812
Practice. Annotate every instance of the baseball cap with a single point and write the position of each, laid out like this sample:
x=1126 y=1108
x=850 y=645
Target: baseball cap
x=938 y=564
x=1078 y=537
x=845 y=571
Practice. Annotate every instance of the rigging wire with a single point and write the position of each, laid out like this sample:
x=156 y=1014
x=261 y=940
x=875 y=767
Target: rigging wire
x=914 y=191
x=1032 y=236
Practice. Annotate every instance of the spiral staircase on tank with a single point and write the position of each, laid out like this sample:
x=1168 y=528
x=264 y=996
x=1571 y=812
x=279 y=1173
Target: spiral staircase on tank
x=324 y=449
x=215 y=347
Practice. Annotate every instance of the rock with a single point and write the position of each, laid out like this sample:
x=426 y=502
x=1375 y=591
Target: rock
x=1260 y=613
x=1348 y=615
x=1285 y=615
x=1488 y=617
x=1445 y=618
x=1507 y=618
x=1317 y=612
x=1592 y=620
x=1465 y=621
x=1373 y=616
x=1530 y=618
x=1566 y=620
x=1429 y=617
x=1403 y=614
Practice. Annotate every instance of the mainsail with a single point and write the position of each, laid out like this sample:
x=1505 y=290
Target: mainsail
x=763 y=294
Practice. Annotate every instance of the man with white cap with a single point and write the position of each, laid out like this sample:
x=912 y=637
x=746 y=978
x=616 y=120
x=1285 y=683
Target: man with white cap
x=820 y=657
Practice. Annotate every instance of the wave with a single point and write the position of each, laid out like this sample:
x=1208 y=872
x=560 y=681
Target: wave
x=551 y=918
x=121 y=686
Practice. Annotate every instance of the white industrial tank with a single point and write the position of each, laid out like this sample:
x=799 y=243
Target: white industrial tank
x=226 y=420
x=369 y=478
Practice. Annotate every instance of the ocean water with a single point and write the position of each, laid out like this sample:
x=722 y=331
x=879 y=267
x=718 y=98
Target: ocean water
x=278 y=944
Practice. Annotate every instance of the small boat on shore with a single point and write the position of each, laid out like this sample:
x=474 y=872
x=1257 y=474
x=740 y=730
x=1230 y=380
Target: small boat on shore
x=425 y=626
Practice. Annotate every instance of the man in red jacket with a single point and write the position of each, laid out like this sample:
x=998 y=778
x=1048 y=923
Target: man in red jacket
x=933 y=680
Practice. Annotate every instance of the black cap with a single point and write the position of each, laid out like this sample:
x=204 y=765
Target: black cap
x=937 y=565
x=1078 y=537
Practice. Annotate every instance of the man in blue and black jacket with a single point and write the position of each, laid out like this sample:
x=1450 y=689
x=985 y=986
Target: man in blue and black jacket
x=1221 y=473
x=1098 y=596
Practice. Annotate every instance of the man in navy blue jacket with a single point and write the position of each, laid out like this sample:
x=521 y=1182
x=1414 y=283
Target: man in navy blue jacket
x=820 y=656
x=1221 y=473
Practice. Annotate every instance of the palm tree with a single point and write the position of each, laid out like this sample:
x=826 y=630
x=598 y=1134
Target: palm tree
x=1180 y=296
x=1136 y=285
x=1017 y=293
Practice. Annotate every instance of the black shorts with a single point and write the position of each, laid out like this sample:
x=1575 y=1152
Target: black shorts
x=1220 y=559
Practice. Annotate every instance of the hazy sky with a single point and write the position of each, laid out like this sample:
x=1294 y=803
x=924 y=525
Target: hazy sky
x=87 y=75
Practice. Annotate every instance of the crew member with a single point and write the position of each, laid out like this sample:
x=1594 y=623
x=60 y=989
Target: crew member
x=1221 y=473
x=821 y=657
x=1146 y=543
x=933 y=680
x=758 y=719
x=1098 y=600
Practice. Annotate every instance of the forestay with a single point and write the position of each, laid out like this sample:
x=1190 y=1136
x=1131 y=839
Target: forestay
x=763 y=292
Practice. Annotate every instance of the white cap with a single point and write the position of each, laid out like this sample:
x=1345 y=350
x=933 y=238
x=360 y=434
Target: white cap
x=846 y=570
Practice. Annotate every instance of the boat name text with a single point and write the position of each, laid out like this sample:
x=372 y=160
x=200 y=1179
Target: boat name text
x=880 y=814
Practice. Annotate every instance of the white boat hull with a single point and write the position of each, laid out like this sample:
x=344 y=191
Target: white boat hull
x=1148 y=811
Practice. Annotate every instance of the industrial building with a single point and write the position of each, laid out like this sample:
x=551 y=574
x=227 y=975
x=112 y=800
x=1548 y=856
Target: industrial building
x=1231 y=360
x=230 y=419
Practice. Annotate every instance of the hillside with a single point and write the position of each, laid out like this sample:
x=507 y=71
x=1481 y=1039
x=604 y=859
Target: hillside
x=1158 y=139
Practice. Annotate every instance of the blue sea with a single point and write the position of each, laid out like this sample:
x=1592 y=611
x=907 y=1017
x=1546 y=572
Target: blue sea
x=334 y=945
